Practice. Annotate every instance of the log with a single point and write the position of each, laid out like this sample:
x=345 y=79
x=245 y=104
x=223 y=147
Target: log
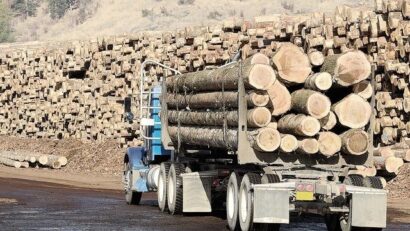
x=288 y=143
x=391 y=164
x=363 y=171
x=279 y=98
x=355 y=142
x=212 y=100
x=299 y=124
x=264 y=139
x=255 y=76
x=403 y=153
x=321 y=81
x=292 y=64
x=316 y=58
x=10 y=163
x=53 y=162
x=310 y=102
x=353 y=111
x=347 y=69
x=41 y=158
x=329 y=143
x=257 y=117
x=363 y=89
x=308 y=146
x=328 y=122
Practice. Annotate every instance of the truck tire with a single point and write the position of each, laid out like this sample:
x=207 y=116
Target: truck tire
x=131 y=197
x=270 y=178
x=174 y=192
x=246 y=201
x=373 y=182
x=355 y=180
x=162 y=186
x=232 y=201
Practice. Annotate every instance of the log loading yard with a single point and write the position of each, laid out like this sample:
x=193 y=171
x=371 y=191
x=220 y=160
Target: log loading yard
x=285 y=122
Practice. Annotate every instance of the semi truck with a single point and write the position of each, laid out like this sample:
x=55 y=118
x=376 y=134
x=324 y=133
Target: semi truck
x=258 y=191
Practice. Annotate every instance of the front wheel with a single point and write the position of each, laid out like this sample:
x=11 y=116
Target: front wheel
x=131 y=197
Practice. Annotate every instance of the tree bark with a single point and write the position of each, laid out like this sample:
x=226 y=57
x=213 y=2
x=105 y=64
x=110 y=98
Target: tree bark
x=279 y=98
x=255 y=76
x=264 y=139
x=214 y=100
x=348 y=68
x=300 y=124
x=355 y=142
x=292 y=64
x=311 y=102
x=353 y=111
x=257 y=117
x=321 y=81
x=329 y=143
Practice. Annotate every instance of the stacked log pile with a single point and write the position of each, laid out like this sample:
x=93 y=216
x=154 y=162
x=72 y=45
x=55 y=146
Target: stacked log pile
x=307 y=112
x=29 y=159
x=77 y=89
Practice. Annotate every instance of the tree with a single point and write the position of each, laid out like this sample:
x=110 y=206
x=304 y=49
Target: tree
x=5 y=23
x=58 y=8
x=25 y=8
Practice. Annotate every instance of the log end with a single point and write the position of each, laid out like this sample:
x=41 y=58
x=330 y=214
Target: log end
x=268 y=140
x=261 y=76
x=289 y=143
x=308 y=146
x=292 y=64
x=355 y=142
x=328 y=122
x=260 y=58
x=353 y=111
x=329 y=143
x=352 y=67
x=318 y=105
x=310 y=126
x=260 y=117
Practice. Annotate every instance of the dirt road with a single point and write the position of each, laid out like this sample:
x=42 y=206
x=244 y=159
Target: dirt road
x=34 y=205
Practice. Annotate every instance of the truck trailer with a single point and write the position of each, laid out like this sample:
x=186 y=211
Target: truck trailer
x=259 y=190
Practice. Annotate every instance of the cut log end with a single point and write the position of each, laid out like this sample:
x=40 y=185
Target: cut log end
x=351 y=68
x=329 y=143
x=261 y=76
x=353 y=111
x=328 y=122
x=308 y=146
x=258 y=98
x=259 y=117
x=292 y=64
x=289 y=143
x=310 y=126
x=318 y=105
x=267 y=140
x=316 y=58
x=363 y=89
x=321 y=81
x=355 y=142
x=259 y=58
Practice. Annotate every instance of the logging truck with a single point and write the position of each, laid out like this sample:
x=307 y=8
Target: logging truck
x=259 y=143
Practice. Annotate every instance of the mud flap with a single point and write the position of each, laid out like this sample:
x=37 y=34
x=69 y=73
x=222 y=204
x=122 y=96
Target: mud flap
x=271 y=204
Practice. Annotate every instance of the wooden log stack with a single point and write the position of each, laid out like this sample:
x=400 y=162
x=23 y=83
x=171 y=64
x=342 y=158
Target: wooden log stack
x=22 y=159
x=202 y=106
x=76 y=89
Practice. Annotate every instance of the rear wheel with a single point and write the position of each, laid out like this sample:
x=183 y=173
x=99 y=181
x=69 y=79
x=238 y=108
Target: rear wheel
x=232 y=200
x=174 y=193
x=373 y=182
x=131 y=197
x=246 y=201
x=162 y=186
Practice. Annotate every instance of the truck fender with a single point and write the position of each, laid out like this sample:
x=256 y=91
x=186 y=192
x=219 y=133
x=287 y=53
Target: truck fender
x=134 y=156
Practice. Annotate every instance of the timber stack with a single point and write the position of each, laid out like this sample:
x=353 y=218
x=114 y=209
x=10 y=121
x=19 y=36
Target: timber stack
x=291 y=107
x=76 y=89
x=23 y=159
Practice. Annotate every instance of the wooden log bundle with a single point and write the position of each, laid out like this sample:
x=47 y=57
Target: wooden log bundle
x=76 y=89
x=26 y=159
